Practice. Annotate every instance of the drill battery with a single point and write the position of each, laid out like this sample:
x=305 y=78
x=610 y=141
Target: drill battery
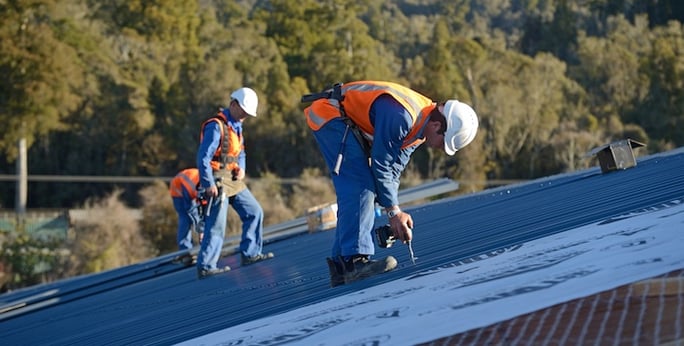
x=385 y=236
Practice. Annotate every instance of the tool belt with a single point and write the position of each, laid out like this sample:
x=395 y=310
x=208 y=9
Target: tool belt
x=225 y=183
x=335 y=93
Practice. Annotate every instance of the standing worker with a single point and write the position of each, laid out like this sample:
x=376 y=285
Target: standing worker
x=221 y=163
x=183 y=190
x=366 y=132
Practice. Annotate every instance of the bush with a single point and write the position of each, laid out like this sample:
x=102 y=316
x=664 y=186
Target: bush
x=312 y=189
x=29 y=261
x=269 y=192
x=108 y=237
x=159 y=220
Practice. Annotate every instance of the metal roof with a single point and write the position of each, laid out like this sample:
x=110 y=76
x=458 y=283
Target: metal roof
x=162 y=302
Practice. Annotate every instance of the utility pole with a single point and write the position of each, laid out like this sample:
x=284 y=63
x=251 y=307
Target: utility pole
x=22 y=180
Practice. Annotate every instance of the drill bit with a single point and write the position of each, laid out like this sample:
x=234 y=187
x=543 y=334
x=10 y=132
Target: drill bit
x=410 y=248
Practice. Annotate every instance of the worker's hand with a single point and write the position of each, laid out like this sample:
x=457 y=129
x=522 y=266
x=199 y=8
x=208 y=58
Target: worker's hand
x=211 y=191
x=238 y=174
x=402 y=225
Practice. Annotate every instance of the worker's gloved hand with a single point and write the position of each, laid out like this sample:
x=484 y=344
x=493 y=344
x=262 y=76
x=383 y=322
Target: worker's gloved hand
x=402 y=225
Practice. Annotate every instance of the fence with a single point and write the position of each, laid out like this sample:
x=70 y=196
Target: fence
x=38 y=223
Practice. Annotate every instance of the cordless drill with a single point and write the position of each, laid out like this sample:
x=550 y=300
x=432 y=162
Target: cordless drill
x=386 y=239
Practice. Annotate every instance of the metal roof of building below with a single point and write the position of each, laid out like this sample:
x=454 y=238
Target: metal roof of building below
x=160 y=302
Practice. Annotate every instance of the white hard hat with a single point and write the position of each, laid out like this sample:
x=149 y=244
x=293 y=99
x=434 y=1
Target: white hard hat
x=461 y=126
x=247 y=99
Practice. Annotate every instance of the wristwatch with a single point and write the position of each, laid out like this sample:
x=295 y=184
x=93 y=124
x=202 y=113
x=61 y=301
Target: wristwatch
x=394 y=212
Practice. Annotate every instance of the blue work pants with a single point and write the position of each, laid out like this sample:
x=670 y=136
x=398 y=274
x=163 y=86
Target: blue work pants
x=355 y=189
x=184 y=231
x=252 y=218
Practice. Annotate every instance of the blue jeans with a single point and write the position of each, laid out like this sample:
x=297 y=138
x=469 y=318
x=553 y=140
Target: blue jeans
x=184 y=231
x=355 y=189
x=252 y=218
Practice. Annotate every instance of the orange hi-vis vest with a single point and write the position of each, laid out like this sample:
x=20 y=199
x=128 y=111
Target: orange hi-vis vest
x=226 y=155
x=357 y=98
x=187 y=180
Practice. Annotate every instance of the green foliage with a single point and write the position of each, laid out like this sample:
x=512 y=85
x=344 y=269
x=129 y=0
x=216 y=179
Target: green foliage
x=444 y=78
x=40 y=73
x=326 y=42
x=556 y=35
x=609 y=70
x=295 y=27
x=106 y=236
x=660 y=113
x=29 y=261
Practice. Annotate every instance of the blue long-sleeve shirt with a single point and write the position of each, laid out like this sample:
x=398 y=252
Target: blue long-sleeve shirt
x=392 y=124
x=211 y=139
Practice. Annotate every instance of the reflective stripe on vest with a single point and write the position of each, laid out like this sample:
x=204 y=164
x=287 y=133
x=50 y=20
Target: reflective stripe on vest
x=230 y=140
x=187 y=180
x=358 y=98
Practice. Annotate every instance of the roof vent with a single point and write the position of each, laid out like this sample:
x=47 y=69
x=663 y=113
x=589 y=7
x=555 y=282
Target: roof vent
x=616 y=155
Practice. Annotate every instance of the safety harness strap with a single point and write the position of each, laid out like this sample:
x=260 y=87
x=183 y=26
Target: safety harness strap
x=224 y=160
x=335 y=93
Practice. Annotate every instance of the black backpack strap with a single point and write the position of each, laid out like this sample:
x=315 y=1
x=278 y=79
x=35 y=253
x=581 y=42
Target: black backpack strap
x=334 y=92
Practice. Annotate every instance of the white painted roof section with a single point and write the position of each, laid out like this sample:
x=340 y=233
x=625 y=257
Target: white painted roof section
x=483 y=290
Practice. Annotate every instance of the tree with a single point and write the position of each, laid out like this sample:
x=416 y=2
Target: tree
x=41 y=73
x=608 y=68
x=441 y=78
x=556 y=36
x=521 y=105
x=444 y=79
x=660 y=113
x=326 y=42
x=296 y=28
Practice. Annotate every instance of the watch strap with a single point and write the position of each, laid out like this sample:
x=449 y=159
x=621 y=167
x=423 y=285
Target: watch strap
x=394 y=212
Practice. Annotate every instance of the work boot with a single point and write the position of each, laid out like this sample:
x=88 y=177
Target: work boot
x=189 y=260
x=186 y=260
x=203 y=273
x=361 y=267
x=336 y=272
x=254 y=259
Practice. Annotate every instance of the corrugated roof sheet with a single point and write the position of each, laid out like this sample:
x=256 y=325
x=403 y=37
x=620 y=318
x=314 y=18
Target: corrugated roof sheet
x=160 y=302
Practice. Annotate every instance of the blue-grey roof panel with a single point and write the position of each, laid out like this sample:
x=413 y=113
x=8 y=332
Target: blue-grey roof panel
x=160 y=302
